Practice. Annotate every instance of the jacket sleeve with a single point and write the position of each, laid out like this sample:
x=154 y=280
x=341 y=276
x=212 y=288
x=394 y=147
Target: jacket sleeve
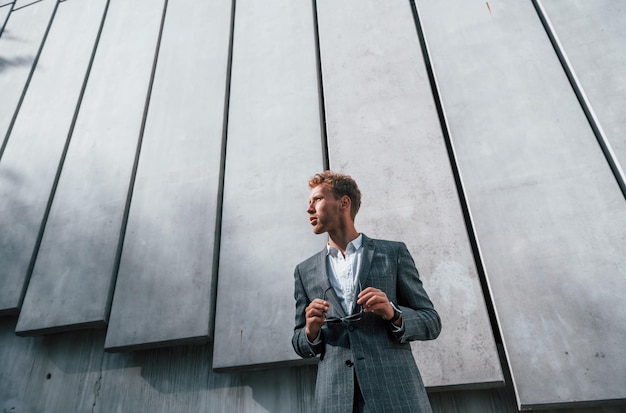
x=421 y=320
x=299 y=341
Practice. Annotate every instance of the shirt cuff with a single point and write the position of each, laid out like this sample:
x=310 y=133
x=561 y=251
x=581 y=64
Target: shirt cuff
x=318 y=339
x=397 y=329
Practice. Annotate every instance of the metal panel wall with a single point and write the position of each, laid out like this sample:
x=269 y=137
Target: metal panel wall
x=68 y=372
x=166 y=272
x=73 y=276
x=593 y=37
x=550 y=217
x=383 y=129
x=5 y=11
x=548 y=214
x=24 y=184
x=274 y=146
x=22 y=37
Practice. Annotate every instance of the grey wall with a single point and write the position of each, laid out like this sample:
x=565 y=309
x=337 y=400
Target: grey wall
x=383 y=129
x=153 y=193
x=273 y=141
x=549 y=215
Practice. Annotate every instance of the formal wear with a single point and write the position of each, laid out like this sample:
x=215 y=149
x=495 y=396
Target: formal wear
x=367 y=350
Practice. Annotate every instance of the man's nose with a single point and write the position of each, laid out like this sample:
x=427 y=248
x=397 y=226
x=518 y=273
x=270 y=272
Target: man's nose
x=310 y=209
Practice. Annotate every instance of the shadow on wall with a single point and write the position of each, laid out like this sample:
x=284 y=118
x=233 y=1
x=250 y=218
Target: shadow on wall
x=5 y=63
x=70 y=370
x=16 y=231
x=19 y=61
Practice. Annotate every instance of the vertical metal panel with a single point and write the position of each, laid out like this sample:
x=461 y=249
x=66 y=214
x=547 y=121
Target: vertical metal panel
x=73 y=276
x=383 y=130
x=5 y=11
x=591 y=37
x=31 y=157
x=166 y=271
x=273 y=148
x=550 y=217
x=20 y=42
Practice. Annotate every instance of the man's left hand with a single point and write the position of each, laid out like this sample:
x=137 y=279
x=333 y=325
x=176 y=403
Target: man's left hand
x=375 y=301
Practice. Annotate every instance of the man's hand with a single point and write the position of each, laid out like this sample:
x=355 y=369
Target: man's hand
x=376 y=301
x=315 y=315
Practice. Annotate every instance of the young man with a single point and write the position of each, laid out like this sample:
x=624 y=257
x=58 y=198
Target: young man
x=358 y=304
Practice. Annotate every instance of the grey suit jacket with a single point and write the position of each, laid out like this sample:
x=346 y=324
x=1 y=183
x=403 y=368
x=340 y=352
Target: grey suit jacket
x=382 y=361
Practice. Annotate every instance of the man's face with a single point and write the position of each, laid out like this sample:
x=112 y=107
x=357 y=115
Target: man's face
x=324 y=210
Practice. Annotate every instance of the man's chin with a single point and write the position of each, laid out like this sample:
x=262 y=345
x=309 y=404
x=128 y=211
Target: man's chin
x=318 y=230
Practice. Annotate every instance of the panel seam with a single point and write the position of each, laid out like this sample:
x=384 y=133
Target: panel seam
x=585 y=104
x=320 y=88
x=464 y=203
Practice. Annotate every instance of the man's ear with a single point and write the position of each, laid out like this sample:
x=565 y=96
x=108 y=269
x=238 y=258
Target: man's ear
x=345 y=201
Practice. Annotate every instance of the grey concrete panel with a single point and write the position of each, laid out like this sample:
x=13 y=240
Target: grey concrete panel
x=166 y=272
x=19 y=45
x=384 y=131
x=550 y=217
x=593 y=37
x=5 y=11
x=273 y=147
x=33 y=151
x=73 y=276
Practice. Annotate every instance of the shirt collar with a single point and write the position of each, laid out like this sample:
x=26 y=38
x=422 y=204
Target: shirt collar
x=356 y=243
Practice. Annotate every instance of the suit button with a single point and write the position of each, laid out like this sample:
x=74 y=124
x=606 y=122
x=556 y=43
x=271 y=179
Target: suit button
x=351 y=328
x=349 y=363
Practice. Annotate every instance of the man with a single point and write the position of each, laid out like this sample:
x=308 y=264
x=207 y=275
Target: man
x=358 y=304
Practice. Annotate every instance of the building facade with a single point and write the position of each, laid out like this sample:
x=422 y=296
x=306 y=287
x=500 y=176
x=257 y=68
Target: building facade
x=153 y=194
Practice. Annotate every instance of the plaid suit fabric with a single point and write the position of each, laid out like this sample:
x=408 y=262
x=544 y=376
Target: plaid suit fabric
x=383 y=363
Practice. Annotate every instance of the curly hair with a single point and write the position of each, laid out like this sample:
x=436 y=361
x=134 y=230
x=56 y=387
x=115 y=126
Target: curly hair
x=340 y=185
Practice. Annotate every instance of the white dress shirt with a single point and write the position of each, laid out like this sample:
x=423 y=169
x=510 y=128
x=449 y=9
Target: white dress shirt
x=343 y=271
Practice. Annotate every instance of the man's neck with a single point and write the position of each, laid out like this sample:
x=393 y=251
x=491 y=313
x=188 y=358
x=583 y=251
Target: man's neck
x=341 y=239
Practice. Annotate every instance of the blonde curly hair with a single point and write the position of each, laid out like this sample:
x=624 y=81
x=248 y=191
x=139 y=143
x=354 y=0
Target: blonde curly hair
x=340 y=185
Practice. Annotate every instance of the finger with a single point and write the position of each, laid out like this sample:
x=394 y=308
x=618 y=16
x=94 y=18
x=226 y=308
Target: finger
x=319 y=301
x=315 y=312
x=377 y=304
x=365 y=295
x=319 y=304
x=369 y=290
x=317 y=309
x=369 y=298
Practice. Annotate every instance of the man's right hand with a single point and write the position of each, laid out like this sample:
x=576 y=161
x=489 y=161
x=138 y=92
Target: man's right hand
x=315 y=315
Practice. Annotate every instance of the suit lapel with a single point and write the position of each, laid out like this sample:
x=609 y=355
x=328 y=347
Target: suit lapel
x=366 y=260
x=362 y=276
x=331 y=295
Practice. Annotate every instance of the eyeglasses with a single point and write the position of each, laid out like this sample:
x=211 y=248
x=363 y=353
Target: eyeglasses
x=348 y=319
